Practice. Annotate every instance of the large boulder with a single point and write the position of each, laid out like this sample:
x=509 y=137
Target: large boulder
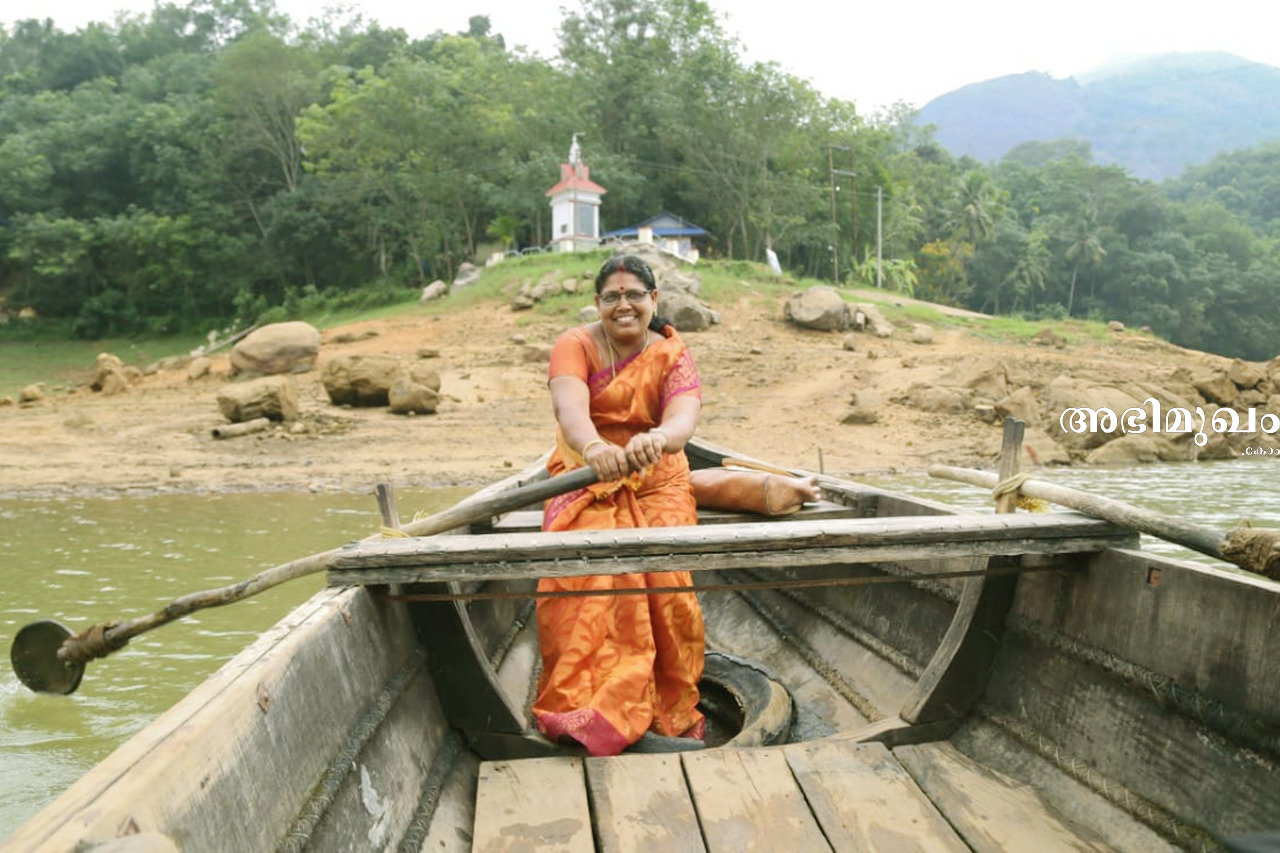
x=1217 y=387
x=685 y=312
x=1021 y=404
x=1218 y=446
x=869 y=318
x=274 y=397
x=277 y=348
x=199 y=368
x=1245 y=374
x=360 y=380
x=1273 y=372
x=415 y=391
x=422 y=374
x=114 y=382
x=549 y=285
x=434 y=290
x=685 y=281
x=108 y=375
x=1065 y=393
x=467 y=274
x=1126 y=450
x=820 y=307
x=987 y=379
x=936 y=398
x=407 y=398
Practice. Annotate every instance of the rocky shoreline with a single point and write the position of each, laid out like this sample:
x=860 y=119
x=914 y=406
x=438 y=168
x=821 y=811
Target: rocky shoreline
x=882 y=396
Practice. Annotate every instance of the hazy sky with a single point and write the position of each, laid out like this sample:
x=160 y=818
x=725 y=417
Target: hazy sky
x=871 y=53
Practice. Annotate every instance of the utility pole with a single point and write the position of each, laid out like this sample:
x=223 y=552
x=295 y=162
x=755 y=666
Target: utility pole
x=835 y=225
x=879 y=238
x=853 y=204
x=833 y=171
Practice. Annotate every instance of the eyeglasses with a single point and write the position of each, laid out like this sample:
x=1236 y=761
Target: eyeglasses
x=635 y=297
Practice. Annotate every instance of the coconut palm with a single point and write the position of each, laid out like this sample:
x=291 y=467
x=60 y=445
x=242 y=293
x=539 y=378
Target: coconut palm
x=1031 y=269
x=977 y=208
x=1085 y=248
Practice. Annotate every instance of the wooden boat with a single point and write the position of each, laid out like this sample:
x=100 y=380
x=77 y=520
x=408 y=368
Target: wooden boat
x=930 y=679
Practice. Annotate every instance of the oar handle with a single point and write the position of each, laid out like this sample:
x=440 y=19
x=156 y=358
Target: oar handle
x=1206 y=540
x=102 y=640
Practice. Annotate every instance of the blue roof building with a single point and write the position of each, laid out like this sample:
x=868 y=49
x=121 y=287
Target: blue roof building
x=670 y=232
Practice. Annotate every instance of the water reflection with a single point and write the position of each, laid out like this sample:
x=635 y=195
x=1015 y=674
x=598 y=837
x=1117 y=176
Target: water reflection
x=88 y=560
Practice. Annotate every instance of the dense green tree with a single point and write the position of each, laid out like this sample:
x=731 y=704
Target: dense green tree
x=213 y=158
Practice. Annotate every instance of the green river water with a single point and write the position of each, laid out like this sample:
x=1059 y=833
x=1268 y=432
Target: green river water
x=87 y=560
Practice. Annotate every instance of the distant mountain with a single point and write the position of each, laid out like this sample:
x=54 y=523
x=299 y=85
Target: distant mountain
x=1154 y=116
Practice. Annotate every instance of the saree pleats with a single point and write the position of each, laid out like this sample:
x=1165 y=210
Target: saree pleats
x=615 y=667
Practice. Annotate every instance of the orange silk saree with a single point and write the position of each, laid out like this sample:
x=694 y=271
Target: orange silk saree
x=616 y=667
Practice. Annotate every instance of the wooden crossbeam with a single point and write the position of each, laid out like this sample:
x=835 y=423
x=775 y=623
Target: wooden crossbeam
x=787 y=544
x=530 y=520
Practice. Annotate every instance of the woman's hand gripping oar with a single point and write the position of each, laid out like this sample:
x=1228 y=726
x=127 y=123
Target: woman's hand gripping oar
x=48 y=658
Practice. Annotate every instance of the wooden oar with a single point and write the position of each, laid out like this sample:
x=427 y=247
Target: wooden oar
x=1253 y=549
x=48 y=658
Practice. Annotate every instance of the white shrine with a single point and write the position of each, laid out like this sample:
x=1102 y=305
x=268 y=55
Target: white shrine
x=575 y=205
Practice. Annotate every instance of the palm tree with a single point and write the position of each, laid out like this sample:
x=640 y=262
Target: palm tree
x=1031 y=269
x=977 y=208
x=1085 y=248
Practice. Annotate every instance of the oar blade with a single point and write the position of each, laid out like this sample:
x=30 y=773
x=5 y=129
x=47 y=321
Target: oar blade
x=34 y=655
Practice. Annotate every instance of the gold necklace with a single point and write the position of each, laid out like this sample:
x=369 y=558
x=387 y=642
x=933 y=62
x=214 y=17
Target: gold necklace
x=613 y=354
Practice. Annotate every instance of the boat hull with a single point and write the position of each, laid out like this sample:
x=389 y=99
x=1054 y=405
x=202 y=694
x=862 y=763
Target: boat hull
x=1136 y=695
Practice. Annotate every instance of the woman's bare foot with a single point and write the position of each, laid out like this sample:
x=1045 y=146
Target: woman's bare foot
x=785 y=495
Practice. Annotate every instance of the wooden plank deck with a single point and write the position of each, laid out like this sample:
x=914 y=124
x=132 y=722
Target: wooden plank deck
x=825 y=795
x=514 y=556
x=532 y=804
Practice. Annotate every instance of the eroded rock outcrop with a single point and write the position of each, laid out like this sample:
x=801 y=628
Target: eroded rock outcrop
x=360 y=380
x=273 y=397
x=820 y=307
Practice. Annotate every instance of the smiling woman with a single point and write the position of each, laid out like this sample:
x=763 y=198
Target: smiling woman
x=626 y=396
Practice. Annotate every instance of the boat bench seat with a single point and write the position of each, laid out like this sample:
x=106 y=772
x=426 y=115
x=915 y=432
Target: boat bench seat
x=822 y=795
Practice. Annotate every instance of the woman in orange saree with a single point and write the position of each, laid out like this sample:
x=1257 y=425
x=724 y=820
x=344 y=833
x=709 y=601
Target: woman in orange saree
x=626 y=398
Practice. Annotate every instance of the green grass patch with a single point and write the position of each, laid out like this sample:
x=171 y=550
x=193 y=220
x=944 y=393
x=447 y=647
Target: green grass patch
x=330 y=317
x=27 y=358
x=1017 y=329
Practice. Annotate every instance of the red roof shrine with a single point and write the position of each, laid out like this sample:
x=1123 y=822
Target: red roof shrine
x=576 y=176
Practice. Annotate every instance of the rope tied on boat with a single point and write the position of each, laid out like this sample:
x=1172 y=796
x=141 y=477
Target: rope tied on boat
x=1254 y=549
x=1013 y=486
x=89 y=644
